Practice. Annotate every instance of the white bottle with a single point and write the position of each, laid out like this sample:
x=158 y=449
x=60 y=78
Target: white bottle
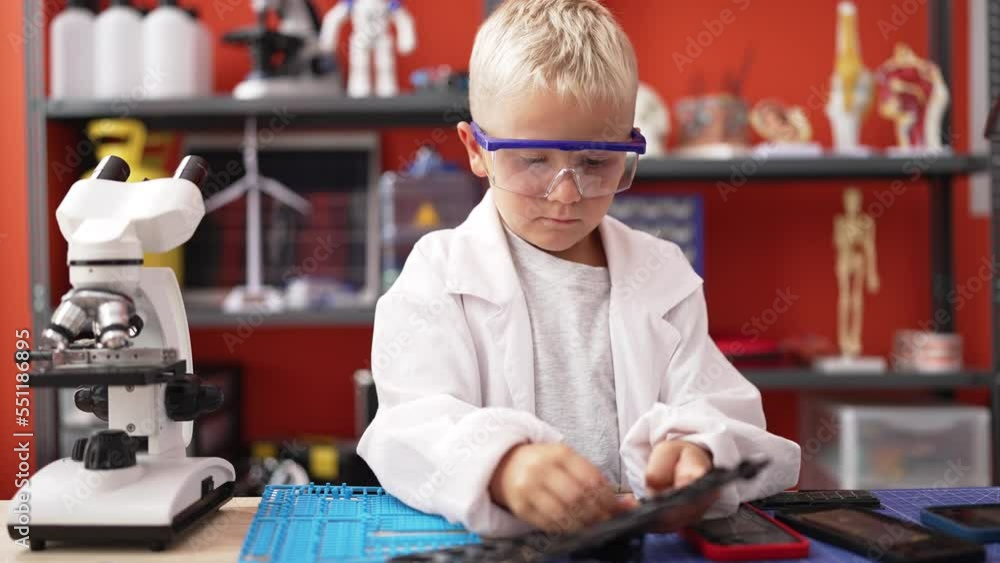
x=170 y=39
x=118 y=70
x=204 y=57
x=71 y=46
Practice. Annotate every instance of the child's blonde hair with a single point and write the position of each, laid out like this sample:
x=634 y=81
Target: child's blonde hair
x=571 y=48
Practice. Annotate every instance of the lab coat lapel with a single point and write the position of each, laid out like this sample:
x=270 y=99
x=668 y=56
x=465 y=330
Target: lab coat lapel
x=480 y=265
x=648 y=278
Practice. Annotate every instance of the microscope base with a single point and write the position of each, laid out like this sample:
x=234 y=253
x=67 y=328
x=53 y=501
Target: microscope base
x=288 y=87
x=151 y=503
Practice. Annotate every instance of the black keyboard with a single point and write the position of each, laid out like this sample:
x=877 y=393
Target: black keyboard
x=808 y=500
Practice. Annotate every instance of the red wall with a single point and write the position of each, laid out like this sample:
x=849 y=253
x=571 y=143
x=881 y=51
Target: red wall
x=765 y=237
x=299 y=381
x=768 y=235
x=14 y=303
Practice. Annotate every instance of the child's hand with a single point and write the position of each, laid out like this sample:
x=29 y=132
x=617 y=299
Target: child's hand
x=675 y=463
x=552 y=487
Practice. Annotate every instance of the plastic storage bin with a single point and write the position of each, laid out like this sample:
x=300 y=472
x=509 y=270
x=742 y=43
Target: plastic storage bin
x=414 y=205
x=872 y=446
x=674 y=217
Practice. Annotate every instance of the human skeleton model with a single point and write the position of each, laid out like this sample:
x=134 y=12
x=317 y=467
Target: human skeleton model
x=850 y=84
x=370 y=20
x=854 y=240
x=912 y=93
x=652 y=118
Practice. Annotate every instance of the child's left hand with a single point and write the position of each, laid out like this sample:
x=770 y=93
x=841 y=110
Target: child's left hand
x=675 y=463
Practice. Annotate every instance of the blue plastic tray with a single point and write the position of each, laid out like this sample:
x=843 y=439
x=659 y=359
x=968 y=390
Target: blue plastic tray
x=327 y=524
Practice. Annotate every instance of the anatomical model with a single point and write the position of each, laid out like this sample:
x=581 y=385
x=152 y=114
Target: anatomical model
x=850 y=85
x=653 y=120
x=912 y=93
x=785 y=129
x=857 y=271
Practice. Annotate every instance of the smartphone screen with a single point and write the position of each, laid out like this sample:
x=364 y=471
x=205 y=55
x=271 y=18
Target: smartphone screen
x=982 y=517
x=867 y=527
x=743 y=528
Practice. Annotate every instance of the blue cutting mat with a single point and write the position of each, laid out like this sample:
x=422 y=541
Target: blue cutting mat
x=327 y=524
x=331 y=524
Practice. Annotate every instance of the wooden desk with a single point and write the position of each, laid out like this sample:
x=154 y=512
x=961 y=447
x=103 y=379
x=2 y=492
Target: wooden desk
x=216 y=540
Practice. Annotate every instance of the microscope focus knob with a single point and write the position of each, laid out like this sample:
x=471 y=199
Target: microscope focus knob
x=93 y=399
x=187 y=399
x=109 y=449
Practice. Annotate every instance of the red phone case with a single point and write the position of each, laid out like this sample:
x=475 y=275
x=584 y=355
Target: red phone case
x=716 y=552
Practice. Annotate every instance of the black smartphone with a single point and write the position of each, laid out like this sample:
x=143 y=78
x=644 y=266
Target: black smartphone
x=881 y=537
x=816 y=499
x=975 y=522
x=616 y=539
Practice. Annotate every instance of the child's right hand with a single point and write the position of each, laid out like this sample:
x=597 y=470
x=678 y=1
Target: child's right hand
x=553 y=487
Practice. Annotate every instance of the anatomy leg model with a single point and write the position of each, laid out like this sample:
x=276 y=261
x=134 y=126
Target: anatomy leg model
x=850 y=84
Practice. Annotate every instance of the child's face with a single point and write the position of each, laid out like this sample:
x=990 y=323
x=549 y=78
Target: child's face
x=564 y=219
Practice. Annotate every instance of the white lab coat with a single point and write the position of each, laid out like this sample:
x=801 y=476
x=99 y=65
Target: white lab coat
x=452 y=363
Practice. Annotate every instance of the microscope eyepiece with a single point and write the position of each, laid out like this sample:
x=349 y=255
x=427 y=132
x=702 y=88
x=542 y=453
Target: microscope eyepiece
x=112 y=168
x=194 y=169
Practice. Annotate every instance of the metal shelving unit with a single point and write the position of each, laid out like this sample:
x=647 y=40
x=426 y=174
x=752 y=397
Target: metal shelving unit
x=447 y=110
x=201 y=317
x=804 y=379
x=824 y=167
x=226 y=112
x=993 y=55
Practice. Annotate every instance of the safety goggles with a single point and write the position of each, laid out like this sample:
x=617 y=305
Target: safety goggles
x=534 y=167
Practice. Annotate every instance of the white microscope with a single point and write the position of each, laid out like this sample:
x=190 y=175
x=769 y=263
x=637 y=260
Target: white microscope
x=122 y=334
x=300 y=67
x=370 y=21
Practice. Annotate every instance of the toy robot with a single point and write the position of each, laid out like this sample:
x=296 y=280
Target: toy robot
x=370 y=20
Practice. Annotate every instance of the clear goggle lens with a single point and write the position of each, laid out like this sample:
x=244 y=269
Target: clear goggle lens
x=536 y=173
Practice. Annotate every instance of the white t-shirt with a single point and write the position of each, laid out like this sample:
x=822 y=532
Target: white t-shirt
x=574 y=379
